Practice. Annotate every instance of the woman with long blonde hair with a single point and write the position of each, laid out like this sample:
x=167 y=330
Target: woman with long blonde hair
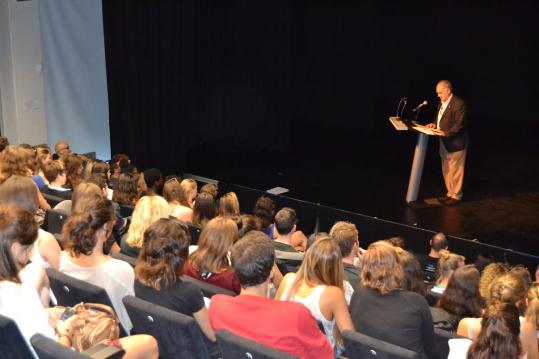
x=148 y=210
x=229 y=205
x=447 y=264
x=210 y=262
x=318 y=284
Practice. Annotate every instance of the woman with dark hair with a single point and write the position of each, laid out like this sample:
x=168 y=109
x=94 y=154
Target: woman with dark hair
x=413 y=274
x=245 y=223
x=18 y=301
x=461 y=299
x=381 y=309
x=85 y=234
x=73 y=167
x=126 y=192
x=159 y=268
x=210 y=261
x=204 y=209
x=264 y=213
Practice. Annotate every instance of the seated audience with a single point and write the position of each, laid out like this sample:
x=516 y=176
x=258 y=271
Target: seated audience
x=204 y=209
x=413 y=275
x=347 y=237
x=229 y=205
x=20 y=302
x=125 y=192
x=177 y=201
x=210 y=188
x=460 y=299
x=489 y=276
x=83 y=189
x=148 y=210
x=264 y=213
x=153 y=181
x=158 y=270
x=73 y=167
x=429 y=262
x=85 y=235
x=210 y=261
x=497 y=338
x=319 y=285
x=287 y=326
x=286 y=239
x=532 y=311
x=447 y=264
x=56 y=176
x=61 y=150
x=189 y=192
x=246 y=223
x=506 y=289
x=381 y=309
x=43 y=157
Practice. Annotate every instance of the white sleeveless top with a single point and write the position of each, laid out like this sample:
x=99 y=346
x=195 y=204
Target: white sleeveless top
x=312 y=302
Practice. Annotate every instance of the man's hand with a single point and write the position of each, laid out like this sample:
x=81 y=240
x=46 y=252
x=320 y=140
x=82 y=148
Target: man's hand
x=431 y=125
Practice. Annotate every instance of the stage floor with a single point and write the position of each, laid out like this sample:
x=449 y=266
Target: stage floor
x=368 y=174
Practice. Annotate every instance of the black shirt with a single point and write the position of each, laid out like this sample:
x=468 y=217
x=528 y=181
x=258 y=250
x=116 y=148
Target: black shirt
x=182 y=297
x=352 y=273
x=400 y=317
x=429 y=265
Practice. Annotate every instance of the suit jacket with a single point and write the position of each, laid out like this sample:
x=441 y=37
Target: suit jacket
x=453 y=123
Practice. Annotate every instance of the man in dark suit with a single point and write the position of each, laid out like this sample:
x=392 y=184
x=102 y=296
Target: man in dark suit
x=451 y=121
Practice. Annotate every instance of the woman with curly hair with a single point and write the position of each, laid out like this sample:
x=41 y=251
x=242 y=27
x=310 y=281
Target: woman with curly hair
x=447 y=264
x=126 y=193
x=73 y=167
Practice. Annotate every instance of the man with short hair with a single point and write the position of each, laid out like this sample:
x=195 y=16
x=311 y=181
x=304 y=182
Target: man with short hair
x=56 y=175
x=347 y=237
x=154 y=181
x=429 y=263
x=285 y=226
x=283 y=325
x=451 y=121
x=61 y=149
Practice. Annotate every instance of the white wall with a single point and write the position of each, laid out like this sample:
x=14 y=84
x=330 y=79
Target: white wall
x=21 y=81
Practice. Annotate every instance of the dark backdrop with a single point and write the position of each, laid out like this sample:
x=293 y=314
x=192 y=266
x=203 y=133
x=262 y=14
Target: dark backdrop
x=187 y=75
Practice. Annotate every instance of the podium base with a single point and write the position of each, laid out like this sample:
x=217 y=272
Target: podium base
x=425 y=203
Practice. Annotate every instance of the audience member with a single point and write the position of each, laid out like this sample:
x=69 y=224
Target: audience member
x=148 y=210
x=85 y=234
x=61 y=150
x=532 y=311
x=56 y=176
x=285 y=226
x=73 y=167
x=264 y=213
x=159 y=268
x=175 y=196
x=125 y=192
x=483 y=260
x=229 y=205
x=506 y=289
x=246 y=223
x=381 y=309
x=398 y=242
x=210 y=188
x=460 y=299
x=489 y=276
x=288 y=326
x=319 y=285
x=43 y=157
x=210 y=261
x=189 y=191
x=82 y=190
x=204 y=209
x=413 y=275
x=447 y=264
x=347 y=237
x=153 y=180
x=429 y=262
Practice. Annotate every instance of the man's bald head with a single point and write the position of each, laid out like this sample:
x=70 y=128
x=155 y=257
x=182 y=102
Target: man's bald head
x=444 y=90
x=439 y=242
x=61 y=148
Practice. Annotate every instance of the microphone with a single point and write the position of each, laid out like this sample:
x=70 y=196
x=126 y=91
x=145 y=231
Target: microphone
x=400 y=103
x=424 y=103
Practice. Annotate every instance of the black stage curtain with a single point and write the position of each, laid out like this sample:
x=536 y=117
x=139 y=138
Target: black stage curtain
x=260 y=74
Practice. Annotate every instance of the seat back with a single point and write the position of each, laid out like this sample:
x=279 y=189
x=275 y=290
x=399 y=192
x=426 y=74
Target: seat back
x=51 y=199
x=46 y=348
x=124 y=257
x=360 y=346
x=233 y=346
x=178 y=335
x=70 y=291
x=287 y=265
x=12 y=343
x=54 y=220
x=441 y=338
x=209 y=290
